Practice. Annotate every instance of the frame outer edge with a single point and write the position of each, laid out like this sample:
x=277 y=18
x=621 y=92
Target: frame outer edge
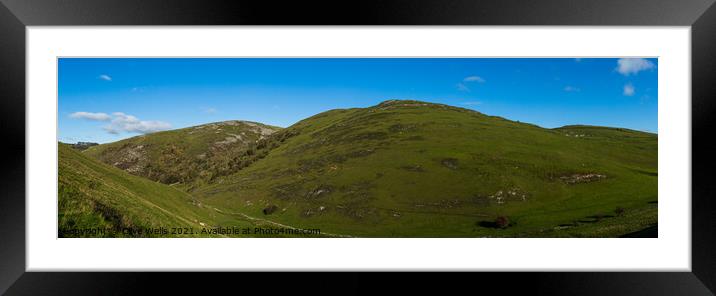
x=366 y=12
x=703 y=62
x=12 y=83
x=12 y=135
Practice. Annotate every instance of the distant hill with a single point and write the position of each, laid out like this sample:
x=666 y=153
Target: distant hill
x=83 y=145
x=409 y=169
x=186 y=156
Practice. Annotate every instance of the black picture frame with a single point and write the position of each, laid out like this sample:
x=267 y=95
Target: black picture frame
x=700 y=15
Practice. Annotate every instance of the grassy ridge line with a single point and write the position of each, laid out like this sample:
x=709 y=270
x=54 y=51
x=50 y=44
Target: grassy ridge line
x=92 y=194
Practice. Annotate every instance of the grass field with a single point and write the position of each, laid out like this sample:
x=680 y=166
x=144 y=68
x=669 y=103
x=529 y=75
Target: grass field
x=397 y=169
x=95 y=195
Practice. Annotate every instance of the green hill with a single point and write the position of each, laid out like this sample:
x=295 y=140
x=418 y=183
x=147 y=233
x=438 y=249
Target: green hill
x=400 y=169
x=188 y=156
x=410 y=168
x=94 y=195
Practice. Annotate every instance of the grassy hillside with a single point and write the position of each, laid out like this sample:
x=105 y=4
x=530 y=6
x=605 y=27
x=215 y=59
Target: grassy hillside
x=410 y=168
x=187 y=157
x=95 y=195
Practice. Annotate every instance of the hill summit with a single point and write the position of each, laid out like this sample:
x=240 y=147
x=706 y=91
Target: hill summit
x=412 y=168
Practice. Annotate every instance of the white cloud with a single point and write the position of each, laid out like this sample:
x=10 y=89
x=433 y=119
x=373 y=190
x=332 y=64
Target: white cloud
x=121 y=122
x=570 y=88
x=629 y=66
x=127 y=123
x=105 y=77
x=210 y=110
x=462 y=87
x=474 y=79
x=139 y=89
x=629 y=90
x=90 y=116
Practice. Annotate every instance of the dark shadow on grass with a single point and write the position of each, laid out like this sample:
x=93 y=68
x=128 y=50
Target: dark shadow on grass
x=600 y=216
x=648 y=173
x=487 y=224
x=650 y=232
x=493 y=224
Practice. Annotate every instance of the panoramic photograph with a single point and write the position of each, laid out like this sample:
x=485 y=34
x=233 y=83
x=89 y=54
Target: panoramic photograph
x=357 y=147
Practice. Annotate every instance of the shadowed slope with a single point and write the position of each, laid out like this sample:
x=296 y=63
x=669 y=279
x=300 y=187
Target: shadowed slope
x=187 y=156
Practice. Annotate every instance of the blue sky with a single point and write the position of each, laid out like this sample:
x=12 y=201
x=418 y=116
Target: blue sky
x=104 y=100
